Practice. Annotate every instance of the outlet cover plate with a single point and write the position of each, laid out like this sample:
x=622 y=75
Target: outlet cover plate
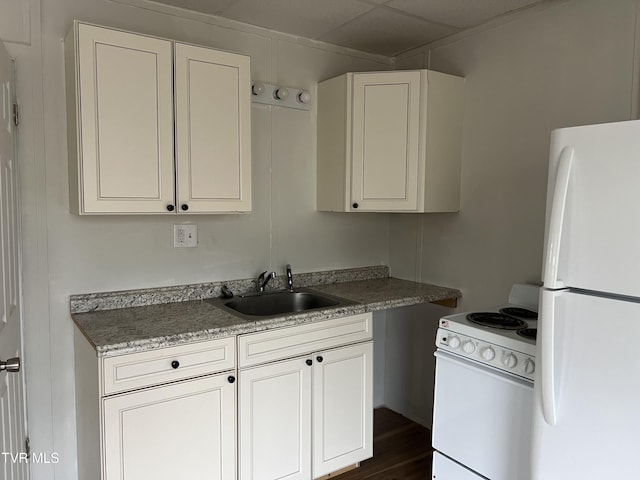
x=185 y=236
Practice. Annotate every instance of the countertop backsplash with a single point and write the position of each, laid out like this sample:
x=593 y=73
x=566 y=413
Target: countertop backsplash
x=93 y=302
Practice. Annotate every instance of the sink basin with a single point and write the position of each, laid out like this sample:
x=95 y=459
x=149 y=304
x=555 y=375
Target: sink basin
x=279 y=303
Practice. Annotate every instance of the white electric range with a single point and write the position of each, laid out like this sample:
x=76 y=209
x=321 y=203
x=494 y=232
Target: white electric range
x=484 y=390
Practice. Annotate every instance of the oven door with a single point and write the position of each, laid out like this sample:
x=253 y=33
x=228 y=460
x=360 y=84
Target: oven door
x=482 y=418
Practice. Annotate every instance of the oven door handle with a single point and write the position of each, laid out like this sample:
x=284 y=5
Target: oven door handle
x=547 y=357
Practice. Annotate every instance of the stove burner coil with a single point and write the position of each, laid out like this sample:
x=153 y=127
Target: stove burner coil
x=520 y=312
x=530 y=333
x=496 y=320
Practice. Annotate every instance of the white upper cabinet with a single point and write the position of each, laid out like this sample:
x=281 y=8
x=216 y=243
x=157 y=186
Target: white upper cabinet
x=386 y=129
x=390 y=142
x=213 y=130
x=121 y=96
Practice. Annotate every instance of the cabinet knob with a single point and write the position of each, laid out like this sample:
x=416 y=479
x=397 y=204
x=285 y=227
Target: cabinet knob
x=319 y=359
x=231 y=378
x=184 y=207
x=309 y=362
x=355 y=205
x=175 y=364
x=170 y=208
x=11 y=365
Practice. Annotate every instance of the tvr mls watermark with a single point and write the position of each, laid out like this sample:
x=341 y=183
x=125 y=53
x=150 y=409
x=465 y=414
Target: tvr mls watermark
x=33 y=457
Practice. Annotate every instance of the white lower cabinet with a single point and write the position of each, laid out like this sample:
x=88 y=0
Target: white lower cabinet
x=162 y=414
x=308 y=416
x=275 y=421
x=301 y=408
x=342 y=408
x=181 y=430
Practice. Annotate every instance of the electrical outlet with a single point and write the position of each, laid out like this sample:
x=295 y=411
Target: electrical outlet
x=185 y=235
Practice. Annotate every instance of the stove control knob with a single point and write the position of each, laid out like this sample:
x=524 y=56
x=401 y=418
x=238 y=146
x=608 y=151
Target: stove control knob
x=468 y=347
x=510 y=360
x=529 y=366
x=454 y=342
x=488 y=354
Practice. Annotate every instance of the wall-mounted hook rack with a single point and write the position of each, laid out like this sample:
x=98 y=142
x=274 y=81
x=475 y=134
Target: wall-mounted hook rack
x=280 y=96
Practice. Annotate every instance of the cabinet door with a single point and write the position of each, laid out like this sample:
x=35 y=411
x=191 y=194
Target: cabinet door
x=275 y=421
x=125 y=122
x=213 y=130
x=181 y=430
x=385 y=141
x=342 y=408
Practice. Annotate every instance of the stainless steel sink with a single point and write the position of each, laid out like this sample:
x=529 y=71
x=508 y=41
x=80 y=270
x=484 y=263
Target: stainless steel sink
x=279 y=303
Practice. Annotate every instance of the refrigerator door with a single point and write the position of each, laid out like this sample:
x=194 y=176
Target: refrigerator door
x=586 y=414
x=593 y=209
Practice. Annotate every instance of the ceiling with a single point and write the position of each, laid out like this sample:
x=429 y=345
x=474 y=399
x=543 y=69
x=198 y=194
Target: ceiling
x=386 y=27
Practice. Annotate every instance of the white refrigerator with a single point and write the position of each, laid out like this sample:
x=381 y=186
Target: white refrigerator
x=586 y=419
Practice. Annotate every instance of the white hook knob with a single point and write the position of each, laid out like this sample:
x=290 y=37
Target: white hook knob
x=257 y=89
x=304 y=97
x=281 y=93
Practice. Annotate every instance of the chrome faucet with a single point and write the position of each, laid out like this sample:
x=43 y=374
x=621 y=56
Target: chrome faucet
x=289 y=278
x=264 y=279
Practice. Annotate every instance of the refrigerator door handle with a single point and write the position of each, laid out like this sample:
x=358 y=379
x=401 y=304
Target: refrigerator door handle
x=548 y=367
x=556 y=218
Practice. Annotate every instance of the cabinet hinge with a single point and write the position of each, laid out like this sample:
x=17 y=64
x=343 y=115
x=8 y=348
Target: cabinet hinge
x=27 y=447
x=16 y=114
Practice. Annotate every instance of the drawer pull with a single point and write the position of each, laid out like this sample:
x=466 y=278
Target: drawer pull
x=175 y=364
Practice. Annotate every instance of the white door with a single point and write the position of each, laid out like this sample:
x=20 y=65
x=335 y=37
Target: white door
x=213 y=130
x=587 y=388
x=342 y=408
x=275 y=421
x=181 y=430
x=386 y=128
x=125 y=98
x=12 y=413
x=593 y=219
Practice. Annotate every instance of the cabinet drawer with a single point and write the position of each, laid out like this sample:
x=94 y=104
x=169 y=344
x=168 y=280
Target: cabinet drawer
x=136 y=370
x=287 y=342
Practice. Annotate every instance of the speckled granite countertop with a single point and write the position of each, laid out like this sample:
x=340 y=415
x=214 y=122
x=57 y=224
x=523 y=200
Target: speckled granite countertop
x=119 y=331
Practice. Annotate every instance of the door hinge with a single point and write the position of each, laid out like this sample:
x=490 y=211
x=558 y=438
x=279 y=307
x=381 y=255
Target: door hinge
x=27 y=447
x=16 y=115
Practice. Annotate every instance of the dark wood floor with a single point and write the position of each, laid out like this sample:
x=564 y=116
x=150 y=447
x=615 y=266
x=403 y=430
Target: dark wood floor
x=401 y=450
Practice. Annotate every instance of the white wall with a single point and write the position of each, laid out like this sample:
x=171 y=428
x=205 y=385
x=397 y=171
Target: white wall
x=66 y=254
x=570 y=64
